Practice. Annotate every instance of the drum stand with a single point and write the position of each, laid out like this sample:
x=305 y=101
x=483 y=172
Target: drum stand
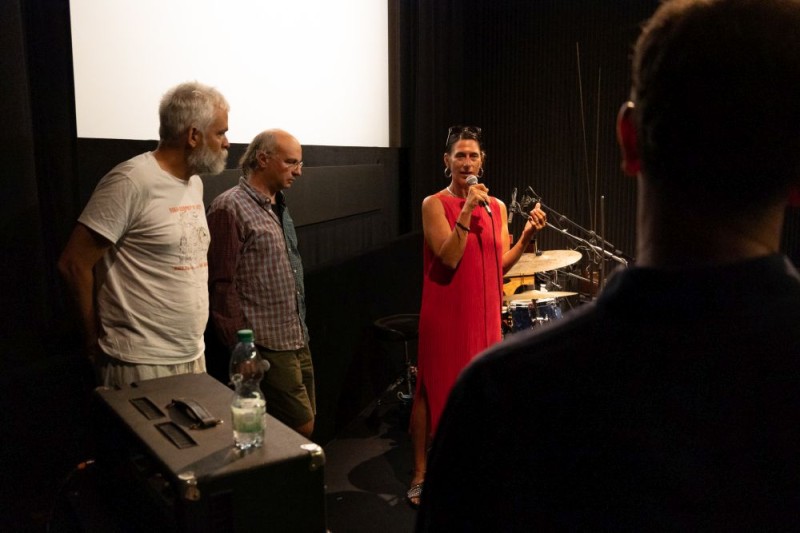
x=405 y=328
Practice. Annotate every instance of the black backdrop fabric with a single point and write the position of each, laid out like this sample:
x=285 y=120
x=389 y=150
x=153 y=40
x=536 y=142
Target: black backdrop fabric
x=544 y=81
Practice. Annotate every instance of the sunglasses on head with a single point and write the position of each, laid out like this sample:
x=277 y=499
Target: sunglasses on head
x=468 y=132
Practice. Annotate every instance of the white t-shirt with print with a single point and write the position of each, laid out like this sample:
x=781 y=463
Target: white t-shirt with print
x=152 y=293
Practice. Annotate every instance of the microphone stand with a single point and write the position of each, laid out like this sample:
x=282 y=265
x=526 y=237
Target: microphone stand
x=602 y=280
x=560 y=272
x=600 y=251
x=562 y=219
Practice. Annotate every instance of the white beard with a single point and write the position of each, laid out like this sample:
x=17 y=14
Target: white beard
x=203 y=161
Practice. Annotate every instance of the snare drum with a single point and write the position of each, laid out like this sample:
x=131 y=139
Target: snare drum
x=548 y=309
x=522 y=314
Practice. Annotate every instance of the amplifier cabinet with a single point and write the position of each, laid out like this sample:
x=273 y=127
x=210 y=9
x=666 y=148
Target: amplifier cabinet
x=164 y=473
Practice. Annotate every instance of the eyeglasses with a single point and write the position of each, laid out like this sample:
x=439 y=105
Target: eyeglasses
x=293 y=165
x=290 y=164
x=462 y=132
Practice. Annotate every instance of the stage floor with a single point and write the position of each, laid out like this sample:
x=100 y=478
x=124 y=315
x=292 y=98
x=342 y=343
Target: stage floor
x=368 y=472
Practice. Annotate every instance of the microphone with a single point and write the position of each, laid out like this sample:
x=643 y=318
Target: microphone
x=473 y=180
x=512 y=205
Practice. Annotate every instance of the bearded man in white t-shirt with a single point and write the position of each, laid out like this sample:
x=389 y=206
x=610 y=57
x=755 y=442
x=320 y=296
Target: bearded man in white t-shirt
x=136 y=261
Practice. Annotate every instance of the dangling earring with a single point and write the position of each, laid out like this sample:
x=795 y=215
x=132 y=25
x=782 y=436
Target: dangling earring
x=448 y=173
x=480 y=173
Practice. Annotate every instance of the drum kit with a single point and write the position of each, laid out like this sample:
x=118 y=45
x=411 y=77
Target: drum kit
x=534 y=308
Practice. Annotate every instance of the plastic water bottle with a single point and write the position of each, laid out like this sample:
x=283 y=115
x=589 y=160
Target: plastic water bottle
x=249 y=413
x=248 y=407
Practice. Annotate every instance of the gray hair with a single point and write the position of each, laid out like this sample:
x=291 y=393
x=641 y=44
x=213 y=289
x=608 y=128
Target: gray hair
x=188 y=105
x=263 y=142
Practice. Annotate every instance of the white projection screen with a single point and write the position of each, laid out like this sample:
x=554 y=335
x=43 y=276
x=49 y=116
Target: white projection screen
x=316 y=68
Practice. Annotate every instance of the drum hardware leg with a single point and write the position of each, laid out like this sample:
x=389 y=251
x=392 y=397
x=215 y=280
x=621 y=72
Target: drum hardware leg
x=411 y=382
x=405 y=328
x=393 y=386
x=410 y=379
x=406 y=396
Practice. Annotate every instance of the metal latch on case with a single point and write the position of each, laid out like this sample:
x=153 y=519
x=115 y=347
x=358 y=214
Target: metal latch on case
x=317 y=455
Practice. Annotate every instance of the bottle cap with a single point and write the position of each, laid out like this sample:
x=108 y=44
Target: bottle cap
x=245 y=335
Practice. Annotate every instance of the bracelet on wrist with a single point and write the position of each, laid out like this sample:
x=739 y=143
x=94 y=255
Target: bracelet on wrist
x=462 y=226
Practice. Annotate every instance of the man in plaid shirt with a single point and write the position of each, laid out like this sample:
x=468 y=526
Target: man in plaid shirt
x=256 y=275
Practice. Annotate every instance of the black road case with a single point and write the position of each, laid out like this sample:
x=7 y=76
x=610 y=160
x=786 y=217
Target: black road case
x=164 y=472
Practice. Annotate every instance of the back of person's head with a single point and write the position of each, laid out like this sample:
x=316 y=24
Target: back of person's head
x=266 y=142
x=187 y=105
x=717 y=94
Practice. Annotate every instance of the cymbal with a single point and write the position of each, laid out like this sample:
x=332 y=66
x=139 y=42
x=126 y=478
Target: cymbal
x=537 y=295
x=531 y=263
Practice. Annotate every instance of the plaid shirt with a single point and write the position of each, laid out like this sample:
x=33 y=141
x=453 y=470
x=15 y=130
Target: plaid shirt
x=255 y=274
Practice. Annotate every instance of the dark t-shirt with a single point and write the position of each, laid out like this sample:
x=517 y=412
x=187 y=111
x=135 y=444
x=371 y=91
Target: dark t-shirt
x=672 y=402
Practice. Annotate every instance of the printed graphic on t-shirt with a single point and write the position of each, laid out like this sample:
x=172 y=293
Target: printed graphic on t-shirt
x=195 y=239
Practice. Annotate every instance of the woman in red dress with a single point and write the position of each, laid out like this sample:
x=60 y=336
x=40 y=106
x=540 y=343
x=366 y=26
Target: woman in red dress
x=467 y=249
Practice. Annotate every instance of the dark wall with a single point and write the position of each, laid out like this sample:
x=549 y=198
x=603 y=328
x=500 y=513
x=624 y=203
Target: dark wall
x=42 y=383
x=346 y=199
x=38 y=166
x=351 y=365
x=544 y=79
x=19 y=186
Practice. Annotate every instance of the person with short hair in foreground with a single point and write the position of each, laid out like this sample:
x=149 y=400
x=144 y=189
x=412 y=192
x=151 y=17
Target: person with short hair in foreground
x=672 y=401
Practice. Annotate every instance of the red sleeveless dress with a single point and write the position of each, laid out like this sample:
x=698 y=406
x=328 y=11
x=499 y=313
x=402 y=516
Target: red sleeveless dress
x=460 y=314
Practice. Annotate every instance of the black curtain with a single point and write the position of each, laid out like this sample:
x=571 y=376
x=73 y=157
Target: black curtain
x=544 y=79
x=39 y=168
x=45 y=385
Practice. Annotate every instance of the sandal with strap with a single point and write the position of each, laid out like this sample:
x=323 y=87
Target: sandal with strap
x=415 y=492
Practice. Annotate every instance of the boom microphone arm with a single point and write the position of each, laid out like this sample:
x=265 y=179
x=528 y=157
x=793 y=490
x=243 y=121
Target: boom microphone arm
x=516 y=207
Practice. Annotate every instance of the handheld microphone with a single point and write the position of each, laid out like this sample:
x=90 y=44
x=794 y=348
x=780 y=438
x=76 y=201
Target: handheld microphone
x=473 y=180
